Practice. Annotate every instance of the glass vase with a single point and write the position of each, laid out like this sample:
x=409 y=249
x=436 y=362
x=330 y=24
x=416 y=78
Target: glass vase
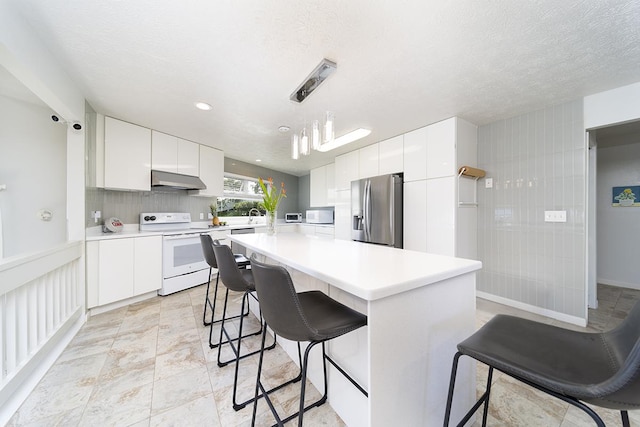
x=271 y=222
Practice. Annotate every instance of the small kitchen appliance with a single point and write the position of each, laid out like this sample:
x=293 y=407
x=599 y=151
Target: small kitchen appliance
x=293 y=217
x=317 y=216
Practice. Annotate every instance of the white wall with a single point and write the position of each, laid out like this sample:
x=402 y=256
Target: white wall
x=618 y=230
x=33 y=167
x=613 y=106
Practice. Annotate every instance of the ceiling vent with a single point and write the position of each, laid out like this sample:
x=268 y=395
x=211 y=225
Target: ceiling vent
x=311 y=83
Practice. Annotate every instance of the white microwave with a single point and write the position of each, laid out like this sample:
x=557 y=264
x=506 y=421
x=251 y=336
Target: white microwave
x=293 y=217
x=319 y=217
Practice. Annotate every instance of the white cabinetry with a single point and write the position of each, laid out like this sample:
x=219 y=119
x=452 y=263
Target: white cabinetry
x=342 y=215
x=118 y=269
x=211 y=172
x=368 y=158
x=391 y=155
x=322 y=186
x=127 y=156
x=433 y=221
x=347 y=170
x=173 y=154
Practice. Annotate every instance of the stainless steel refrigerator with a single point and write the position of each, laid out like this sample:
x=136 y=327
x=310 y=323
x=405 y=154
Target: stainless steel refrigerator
x=376 y=210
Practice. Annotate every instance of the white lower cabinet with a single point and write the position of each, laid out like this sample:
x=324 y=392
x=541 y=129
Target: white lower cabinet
x=342 y=215
x=414 y=223
x=118 y=269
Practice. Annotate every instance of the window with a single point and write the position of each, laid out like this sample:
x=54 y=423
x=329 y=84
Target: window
x=241 y=194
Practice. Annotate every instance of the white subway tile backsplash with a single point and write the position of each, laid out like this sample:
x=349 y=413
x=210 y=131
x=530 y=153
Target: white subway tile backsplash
x=537 y=162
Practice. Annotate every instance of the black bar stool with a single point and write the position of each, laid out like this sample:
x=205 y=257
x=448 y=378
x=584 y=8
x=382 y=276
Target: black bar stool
x=238 y=280
x=306 y=316
x=210 y=257
x=602 y=369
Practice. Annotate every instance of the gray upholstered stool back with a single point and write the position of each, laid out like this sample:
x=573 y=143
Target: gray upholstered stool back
x=230 y=274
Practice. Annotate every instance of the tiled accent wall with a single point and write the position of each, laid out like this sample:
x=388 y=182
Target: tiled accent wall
x=537 y=162
x=127 y=205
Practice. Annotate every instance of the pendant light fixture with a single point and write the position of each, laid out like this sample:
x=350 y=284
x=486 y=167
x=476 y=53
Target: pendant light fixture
x=315 y=135
x=295 y=147
x=305 y=148
x=329 y=132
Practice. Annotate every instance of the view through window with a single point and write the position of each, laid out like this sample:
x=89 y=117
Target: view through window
x=241 y=194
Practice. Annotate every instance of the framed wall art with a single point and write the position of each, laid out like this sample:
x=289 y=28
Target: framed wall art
x=625 y=197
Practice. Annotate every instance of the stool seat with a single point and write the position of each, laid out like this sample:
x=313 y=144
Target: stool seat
x=602 y=369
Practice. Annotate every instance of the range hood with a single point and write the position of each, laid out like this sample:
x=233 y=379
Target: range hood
x=176 y=180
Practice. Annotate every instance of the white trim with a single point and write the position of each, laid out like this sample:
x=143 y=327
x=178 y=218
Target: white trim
x=635 y=286
x=123 y=303
x=533 y=309
x=18 y=270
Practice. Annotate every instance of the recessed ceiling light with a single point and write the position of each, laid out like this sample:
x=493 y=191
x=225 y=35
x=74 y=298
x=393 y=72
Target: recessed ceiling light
x=284 y=129
x=203 y=106
x=345 y=139
x=258 y=160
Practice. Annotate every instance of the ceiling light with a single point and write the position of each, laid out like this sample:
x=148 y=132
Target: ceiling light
x=345 y=139
x=203 y=106
x=313 y=80
x=295 y=147
x=315 y=135
x=305 y=149
x=284 y=129
x=258 y=160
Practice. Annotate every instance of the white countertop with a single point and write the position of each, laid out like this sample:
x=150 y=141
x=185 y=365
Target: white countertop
x=365 y=270
x=133 y=230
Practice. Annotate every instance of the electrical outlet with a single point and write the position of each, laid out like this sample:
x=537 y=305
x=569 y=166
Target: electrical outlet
x=488 y=183
x=555 y=216
x=201 y=215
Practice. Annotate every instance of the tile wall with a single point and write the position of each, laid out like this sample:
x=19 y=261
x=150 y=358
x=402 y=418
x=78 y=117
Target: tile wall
x=537 y=162
x=127 y=205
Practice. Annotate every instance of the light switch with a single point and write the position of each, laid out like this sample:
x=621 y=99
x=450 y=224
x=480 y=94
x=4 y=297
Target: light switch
x=555 y=216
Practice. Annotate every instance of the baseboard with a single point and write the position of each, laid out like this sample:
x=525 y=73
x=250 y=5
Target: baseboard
x=16 y=391
x=533 y=309
x=123 y=303
x=635 y=286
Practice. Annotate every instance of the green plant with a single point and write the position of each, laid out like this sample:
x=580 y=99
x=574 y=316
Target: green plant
x=627 y=194
x=271 y=196
x=214 y=209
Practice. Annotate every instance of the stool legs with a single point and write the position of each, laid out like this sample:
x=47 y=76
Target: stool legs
x=212 y=305
x=237 y=349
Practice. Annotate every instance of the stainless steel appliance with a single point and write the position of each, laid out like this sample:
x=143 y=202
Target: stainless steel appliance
x=319 y=216
x=376 y=209
x=183 y=264
x=293 y=217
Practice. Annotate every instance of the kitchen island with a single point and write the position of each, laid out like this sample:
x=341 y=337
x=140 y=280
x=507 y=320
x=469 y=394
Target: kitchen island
x=419 y=306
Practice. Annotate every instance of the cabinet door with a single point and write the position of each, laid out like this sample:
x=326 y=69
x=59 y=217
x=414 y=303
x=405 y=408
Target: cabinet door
x=211 y=172
x=347 y=169
x=164 y=152
x=441 y=149
x=414 y=226
x=441 y=215
x=342 y=212
x=307 y=229
x=188 y=162
x=127 y=156
x=391 y=155
x=368 y=159
x=331 y=184
x=318 y=187
x=147 y=275
x=415 y=155
x=115 y=270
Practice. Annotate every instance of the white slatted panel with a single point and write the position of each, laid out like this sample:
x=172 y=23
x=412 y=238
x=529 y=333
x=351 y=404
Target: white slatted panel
x=33 y=312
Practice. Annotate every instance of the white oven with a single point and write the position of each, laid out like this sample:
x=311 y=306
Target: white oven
x=183 y=264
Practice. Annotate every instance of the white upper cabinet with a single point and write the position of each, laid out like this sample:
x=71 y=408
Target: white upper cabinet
x=441 y=149
x=127 y=156
x=211 y=172
x=391 y=155
x=188 y=157
x=318 y=187
x=368 y=160
x=347 y=169
x=322 y=186
x=173 y=154
x=415 y=154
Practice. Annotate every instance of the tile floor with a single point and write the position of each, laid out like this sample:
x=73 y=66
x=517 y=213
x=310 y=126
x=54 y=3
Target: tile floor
x=149 y=364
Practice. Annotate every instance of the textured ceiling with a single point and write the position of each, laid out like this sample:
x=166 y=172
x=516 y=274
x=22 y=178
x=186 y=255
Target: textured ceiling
x=401 y=64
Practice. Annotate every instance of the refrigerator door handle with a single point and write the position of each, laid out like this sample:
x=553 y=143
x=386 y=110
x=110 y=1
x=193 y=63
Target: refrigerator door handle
x=367 y=210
